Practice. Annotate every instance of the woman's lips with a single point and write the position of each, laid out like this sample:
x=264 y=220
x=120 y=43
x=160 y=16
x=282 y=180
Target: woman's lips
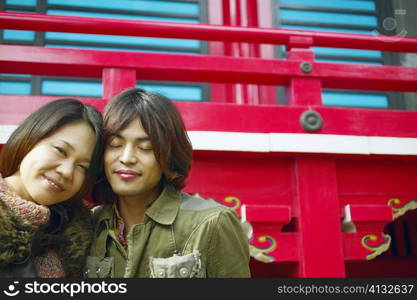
x=53 y=185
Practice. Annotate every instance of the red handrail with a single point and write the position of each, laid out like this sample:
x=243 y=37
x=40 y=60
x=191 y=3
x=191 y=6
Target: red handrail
x=45 y=22
x=201 y=68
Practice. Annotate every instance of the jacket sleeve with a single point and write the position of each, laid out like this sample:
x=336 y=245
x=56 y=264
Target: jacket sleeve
x=229 y=248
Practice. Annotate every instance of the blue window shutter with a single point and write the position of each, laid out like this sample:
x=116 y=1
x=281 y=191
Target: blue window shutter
x=167 y=11
x=345 y=16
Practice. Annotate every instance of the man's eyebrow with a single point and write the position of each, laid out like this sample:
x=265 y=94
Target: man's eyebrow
x=139 y=139
x=143 y=139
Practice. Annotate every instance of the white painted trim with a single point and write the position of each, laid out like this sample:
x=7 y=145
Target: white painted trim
x=288 y=142
x=318 y=143
x=398 y=146
x=302 y=143
x=230 y=141
x=5 y=132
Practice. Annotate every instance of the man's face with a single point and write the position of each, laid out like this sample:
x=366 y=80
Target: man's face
x=130 y=164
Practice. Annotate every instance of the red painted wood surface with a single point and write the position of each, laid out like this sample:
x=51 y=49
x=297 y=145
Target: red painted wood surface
x=249 y=118
x=201 y=68
x=116 y=80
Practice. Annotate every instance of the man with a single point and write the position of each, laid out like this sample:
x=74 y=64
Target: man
x=148 y=227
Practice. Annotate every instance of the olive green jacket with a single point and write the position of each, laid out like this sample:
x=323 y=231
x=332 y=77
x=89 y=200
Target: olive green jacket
x=207 y=236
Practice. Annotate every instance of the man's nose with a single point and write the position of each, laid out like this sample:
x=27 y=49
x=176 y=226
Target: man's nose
x=128 y=156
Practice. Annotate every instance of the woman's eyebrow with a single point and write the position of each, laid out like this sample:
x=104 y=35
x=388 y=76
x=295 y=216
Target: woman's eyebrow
x=87 y=160
x=68 y=144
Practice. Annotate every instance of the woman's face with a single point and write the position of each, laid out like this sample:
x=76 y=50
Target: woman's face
x=55 y=169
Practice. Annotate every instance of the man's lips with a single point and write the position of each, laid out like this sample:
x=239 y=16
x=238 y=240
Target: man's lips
x=54 y=185
x=127 y=174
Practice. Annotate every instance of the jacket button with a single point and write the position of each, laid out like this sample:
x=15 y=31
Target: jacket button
x=184 y=272
x=161 y=273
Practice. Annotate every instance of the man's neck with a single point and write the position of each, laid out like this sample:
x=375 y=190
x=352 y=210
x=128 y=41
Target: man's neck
x=132 y=209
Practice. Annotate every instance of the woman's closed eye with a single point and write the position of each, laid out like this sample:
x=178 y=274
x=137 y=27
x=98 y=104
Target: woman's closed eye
x=83 y=167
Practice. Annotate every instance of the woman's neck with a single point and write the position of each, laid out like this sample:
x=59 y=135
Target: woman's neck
x=27 y=211
x=14 y=184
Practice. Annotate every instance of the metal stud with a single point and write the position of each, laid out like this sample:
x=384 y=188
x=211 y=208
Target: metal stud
x=306 y=67
x=311 y=121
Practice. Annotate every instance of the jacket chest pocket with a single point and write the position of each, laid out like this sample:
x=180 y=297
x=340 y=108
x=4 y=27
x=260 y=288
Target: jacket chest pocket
x=99 y=267
x=177 y=266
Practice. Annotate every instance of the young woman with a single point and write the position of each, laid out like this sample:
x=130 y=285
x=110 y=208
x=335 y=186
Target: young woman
x=48 y=164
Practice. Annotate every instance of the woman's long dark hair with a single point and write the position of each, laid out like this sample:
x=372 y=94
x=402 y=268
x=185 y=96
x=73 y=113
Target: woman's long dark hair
x=44 y=122
x=39 y=125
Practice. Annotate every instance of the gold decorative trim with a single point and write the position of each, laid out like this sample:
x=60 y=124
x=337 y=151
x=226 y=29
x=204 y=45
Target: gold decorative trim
x=378 y=249
x=400 y=208
x=261 y=254
x=235 y=200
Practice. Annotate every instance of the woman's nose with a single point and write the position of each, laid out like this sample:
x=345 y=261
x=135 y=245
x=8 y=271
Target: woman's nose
x=66 y=169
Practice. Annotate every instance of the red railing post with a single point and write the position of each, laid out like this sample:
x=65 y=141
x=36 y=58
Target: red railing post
x=115 y=80
x=303 y=90
x=316 y=199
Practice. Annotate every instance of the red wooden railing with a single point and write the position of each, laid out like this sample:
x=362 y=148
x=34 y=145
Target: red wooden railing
x=297 y=186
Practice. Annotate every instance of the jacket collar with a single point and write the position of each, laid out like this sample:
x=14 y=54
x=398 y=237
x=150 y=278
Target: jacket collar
x=163 y=210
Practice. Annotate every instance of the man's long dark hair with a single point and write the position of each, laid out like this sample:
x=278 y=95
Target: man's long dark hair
x=164 y=125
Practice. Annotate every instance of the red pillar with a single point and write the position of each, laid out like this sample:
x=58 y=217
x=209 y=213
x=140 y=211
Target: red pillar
x=317 y=207
x=316 y=198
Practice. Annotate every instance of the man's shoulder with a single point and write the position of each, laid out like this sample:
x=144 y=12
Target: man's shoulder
x=198 y=215
x=198 y=203
x=199 y=208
